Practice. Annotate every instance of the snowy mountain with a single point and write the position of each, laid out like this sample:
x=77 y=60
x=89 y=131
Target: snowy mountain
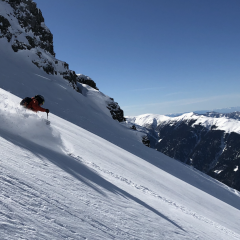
x=87 y=176
x=210 y=144
x=232 y=115
x=204 y=112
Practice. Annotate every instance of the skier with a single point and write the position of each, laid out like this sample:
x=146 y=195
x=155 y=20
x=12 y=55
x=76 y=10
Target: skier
x=34 y=103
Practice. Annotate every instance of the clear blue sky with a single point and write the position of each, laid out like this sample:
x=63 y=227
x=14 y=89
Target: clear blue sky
x=152 y=56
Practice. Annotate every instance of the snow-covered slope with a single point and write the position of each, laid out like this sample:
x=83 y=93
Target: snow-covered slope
x=86 y=176
x=224 y=124
x=60 y=181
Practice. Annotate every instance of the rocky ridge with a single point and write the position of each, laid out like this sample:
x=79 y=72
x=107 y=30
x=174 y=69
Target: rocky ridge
x=22 y=24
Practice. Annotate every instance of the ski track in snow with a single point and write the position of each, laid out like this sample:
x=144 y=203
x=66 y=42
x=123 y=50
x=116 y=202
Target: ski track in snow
x=152 y=193
x=30 y=199
x=35 y=201
x=41 y=195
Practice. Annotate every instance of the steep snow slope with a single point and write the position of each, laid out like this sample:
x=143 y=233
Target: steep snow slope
x=86 y=176
x=21 y=77
x=60 y=181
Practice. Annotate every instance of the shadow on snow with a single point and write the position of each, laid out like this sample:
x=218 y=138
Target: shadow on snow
x=78 y=170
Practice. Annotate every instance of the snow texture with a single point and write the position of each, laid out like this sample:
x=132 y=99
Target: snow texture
x=86 y=176
x=63 y=182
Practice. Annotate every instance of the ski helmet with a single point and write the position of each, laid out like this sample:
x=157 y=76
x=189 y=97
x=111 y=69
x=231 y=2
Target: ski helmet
x=40 y=99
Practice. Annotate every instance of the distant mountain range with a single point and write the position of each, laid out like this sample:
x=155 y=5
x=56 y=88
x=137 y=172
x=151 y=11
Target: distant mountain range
x=218 y=110
x=231 y=115
x=209 y=142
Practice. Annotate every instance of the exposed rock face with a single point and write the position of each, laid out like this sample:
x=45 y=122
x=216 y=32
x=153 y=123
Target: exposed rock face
x=146 y=141
x=227 y=169
x=116 y=111
x=86 y=80
x=31 y=33
x=81 y=78
x=4 y=25
x=133 y=127
x=211 y=151
x=24 y=28
x=31 y=21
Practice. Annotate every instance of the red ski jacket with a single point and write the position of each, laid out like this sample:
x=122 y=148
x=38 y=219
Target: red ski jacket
x=33 y=105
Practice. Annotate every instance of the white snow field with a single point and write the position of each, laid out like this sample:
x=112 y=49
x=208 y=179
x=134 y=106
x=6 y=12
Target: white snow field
x=60 y=181
x=86 y=176
x=154 y=120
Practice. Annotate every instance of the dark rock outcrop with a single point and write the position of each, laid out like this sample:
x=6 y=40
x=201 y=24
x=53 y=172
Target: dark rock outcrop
x=87 y=81
x=146 y=141
x=116 y=111
x=31 y=20
x=211 y=151
x=133 y=127
x=227 y=169
x=16 y=45
x=4 y=25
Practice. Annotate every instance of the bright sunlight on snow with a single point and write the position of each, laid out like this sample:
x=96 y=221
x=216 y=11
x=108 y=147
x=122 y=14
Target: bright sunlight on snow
x=61 y=182
x=85 y=175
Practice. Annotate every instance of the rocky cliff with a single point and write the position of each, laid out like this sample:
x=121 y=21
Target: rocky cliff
x=22 y=24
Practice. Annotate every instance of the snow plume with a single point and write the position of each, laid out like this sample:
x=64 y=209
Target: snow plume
x=25 y=123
